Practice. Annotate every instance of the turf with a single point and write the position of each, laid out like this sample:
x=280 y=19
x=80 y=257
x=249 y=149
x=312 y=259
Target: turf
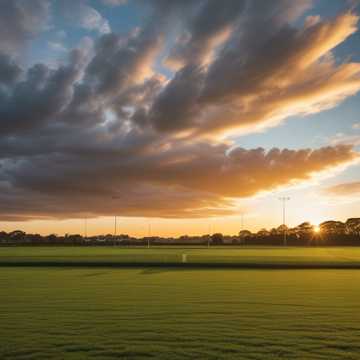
x=242 y=257
x=85 y=306
x=87 y=313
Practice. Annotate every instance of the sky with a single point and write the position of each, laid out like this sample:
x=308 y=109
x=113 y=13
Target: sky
x=182 y=116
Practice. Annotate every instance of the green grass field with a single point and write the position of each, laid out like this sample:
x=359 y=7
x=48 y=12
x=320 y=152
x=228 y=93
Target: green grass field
x=65 y=312
x=248 y=257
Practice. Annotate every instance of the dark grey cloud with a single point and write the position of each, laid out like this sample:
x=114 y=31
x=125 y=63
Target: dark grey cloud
x=106 y=132
x=177 y=107
x=205 y=29
x=36 y=100
x=9 y=70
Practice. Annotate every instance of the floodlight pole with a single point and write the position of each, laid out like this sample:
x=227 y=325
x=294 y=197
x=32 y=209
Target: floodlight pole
x=149 y=234
x=242 y=225
x=283 y=199
x=115 y=225
x=209 y=237
x=85 y=228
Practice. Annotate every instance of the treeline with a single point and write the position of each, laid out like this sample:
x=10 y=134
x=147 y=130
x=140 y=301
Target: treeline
x=329 y=233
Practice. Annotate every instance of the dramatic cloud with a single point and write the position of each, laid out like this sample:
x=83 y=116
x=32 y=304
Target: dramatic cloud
x=160 y=179
x=41 y=96
x=106 y=132
x=257 y=80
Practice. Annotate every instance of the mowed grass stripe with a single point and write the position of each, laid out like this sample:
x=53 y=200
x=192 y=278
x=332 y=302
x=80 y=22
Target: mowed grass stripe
x=244 y=257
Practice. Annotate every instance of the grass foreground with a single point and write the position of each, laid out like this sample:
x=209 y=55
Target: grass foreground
x=65 y=312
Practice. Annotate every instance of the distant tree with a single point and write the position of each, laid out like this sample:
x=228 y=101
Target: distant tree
x=74 y=239
x=184 y=239
x=245 y=234
x=263 y=233
x=52 y=238
x=3 y=236
x=280 y=229
x=17 y=235
x=352 y=226
x=332 y=227
x=217 y=239
x=305 y=231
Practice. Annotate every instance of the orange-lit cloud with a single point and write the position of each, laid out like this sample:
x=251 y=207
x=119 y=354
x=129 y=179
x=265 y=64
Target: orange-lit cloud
x=195 y=181
x=349 y=189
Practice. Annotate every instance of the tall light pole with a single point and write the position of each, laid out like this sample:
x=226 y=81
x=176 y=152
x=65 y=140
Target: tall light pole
x=284 y=199
x=149 y=234
x=85 y=228
x=209 y=236
x=115 y=224
x=242 y=226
